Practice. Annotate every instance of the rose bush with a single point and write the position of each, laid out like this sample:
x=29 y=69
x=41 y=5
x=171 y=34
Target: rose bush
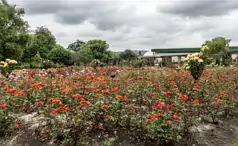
x=145 y=104
x=6 y=67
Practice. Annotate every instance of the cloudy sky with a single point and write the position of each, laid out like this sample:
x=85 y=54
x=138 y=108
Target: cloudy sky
x=135 y=24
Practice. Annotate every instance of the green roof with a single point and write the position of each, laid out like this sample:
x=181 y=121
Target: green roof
x=187 y=50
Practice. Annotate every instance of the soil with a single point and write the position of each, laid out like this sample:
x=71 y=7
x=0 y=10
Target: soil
x=225 y=133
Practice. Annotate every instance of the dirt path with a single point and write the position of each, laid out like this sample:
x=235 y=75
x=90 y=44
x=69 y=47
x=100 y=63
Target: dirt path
x=223 y=134
x=206 y=134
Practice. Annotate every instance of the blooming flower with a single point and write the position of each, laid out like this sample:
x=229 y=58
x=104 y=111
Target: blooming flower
x=156 y=85
x=200 y=60
x=105 y=106
x=17 y=126
x=153 y=107
x=3 y=106
x=154 y=117
x=41 y=103
x=196 y=101
x=107 y=92
x=115 y=89
x=175 y=116
x=147 y=121
x=154 y=94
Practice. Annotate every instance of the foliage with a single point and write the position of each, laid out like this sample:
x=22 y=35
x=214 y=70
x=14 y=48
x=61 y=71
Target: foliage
x=60 y=55
x=6 y=120
x=218 y=49
x=13 y=31
x=138 y=63
x=99 y=50
x=85 y=55
x=128 y=55
x=76 y=46
x=41 y=41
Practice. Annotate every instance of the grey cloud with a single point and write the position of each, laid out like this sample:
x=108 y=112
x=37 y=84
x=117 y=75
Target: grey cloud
x=61 y=34
x=196 y=8
x=34 y=7
x=123 y=26
x=106 y=15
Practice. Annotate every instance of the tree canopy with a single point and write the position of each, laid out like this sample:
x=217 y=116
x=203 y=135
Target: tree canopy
x=99 y=50
x=127 y=54
x=75 y=46
x=60 y=55
x=41 y=41
x=13 y=31
x=218 y=48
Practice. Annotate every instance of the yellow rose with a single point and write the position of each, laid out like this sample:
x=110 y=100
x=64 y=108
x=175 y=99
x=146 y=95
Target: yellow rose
x=5 y=64
x=196 y=58
x=201 y=54
x=205 y=48
x=189 y=56
x=12 y=62
x=195 y=54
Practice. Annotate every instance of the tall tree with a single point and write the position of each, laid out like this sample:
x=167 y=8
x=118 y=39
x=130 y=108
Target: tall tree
x=127 y=55
x=75 y=46
x=60 y=55
x=85 y=55
x=41 y=41
x=218 y=49
x=13 y=31
x=99 y=49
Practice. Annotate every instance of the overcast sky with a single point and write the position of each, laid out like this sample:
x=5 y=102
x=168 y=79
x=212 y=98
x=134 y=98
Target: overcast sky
x=135 y=24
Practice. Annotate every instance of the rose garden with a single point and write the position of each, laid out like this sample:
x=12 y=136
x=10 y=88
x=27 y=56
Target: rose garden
x=153 y=105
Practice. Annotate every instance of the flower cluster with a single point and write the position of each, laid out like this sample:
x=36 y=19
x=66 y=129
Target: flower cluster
x=195 y=63
x=4 y=64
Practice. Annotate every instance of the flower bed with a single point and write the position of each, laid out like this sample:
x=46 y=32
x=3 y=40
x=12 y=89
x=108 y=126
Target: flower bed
x=145 y=104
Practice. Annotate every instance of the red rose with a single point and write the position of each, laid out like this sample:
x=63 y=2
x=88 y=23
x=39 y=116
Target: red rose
x=16 y=126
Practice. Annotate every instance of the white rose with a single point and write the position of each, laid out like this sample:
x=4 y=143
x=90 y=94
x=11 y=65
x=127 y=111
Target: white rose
x=200 y=60
x=195 y=54
x=186 y=59
x=196 y=58
x=189 y=56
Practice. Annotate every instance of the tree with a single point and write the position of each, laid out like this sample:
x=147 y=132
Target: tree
x=75 y=46
x=127 y=55
x=99 y=49
x=85 y=55
x=218 y=49
x=41 y=41
x=60 y=55
x=29 y=52
x=13 y=31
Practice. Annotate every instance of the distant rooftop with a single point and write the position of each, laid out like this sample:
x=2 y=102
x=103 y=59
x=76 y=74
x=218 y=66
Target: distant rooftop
x=148 y=54
x=186 y=50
